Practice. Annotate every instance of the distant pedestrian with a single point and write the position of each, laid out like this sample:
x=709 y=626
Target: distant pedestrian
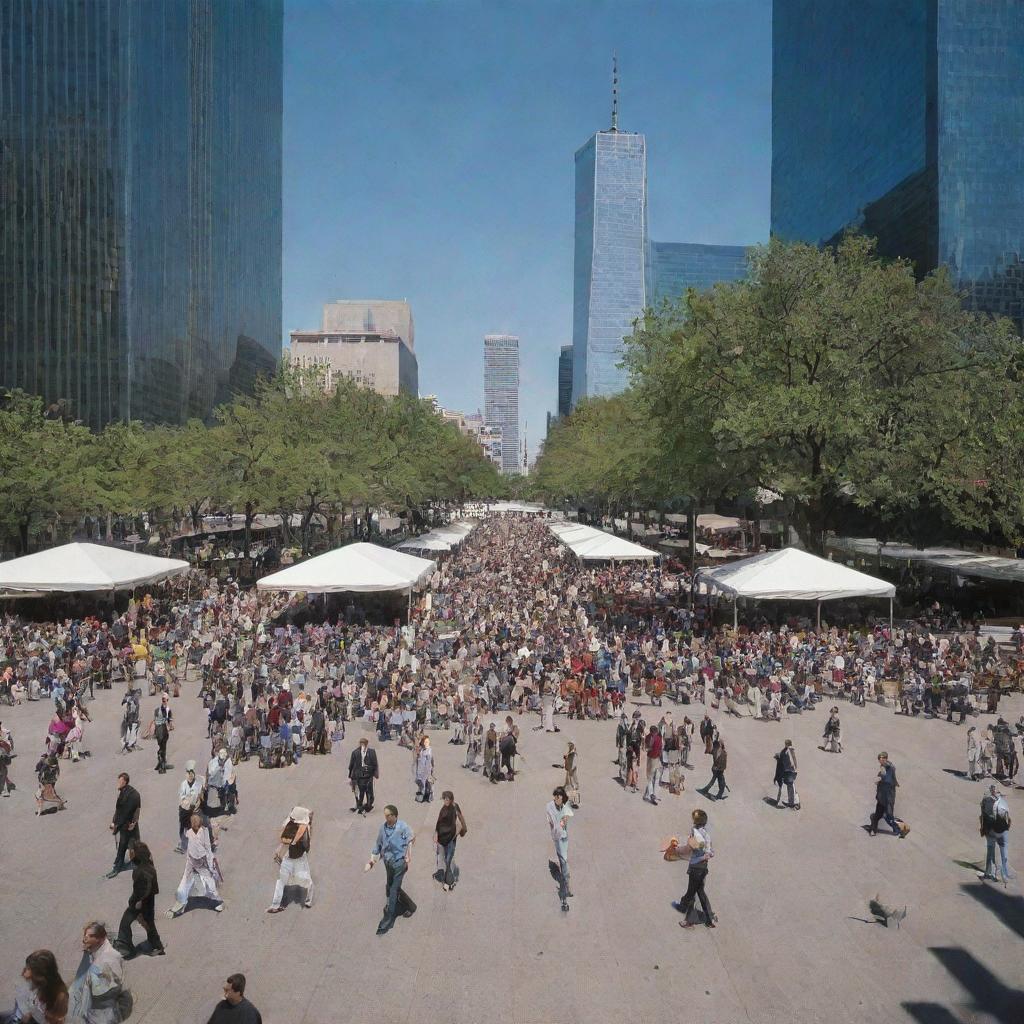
x=654 y=745
x=234 y=1008
x=394 y=847
x=125 y=824
x=423 y=770
x=362 y=770
x=833 y=735
x=885 y=799
x=698 y=845
x=719 y=762
x=293 y=857
x=190 y=799
x=785 y=775
x=571 y=762
x=163 y=722
x=558 y=814
x=451 y=826
x=995 y=827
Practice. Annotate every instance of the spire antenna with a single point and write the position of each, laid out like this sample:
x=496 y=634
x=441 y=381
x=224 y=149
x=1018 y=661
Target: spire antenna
x=615 y=92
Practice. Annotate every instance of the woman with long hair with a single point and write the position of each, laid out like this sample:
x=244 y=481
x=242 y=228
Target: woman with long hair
x=43 y=998
x=572 y=781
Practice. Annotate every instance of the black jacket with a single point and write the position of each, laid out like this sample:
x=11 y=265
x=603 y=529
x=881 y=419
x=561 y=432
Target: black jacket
x=127 y=808
x=357 y=771
x=143 y=883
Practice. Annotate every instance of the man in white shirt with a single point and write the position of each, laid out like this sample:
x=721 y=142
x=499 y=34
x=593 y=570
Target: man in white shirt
x=190 y=796
x=558 y=814
x=199 y=866
x=98 y=994
x=220 y=775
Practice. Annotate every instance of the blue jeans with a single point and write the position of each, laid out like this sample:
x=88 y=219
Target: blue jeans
x=562 y=853
x=449 y=855
x=994 y=839
x=398 y=900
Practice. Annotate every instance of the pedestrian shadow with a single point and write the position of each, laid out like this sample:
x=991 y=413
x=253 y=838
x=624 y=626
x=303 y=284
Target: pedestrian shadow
x=958 y=774
x=293 y=894
x=989 y=995
x=1007 y=907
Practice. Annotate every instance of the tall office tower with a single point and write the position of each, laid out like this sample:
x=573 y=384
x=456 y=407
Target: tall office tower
x=564 y=381
x=610 y=254
x=905 y=120
x=675 y=267
x=140 y=175
x=501 y=395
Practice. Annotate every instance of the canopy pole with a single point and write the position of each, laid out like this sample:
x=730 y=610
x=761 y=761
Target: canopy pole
x=819 y=616
x=735 y=614
x=890 y=617
x=408 y=610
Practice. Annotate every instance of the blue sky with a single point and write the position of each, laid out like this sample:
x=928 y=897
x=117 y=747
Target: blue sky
x=429 y=156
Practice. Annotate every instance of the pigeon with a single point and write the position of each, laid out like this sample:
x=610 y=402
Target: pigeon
x=886 y=914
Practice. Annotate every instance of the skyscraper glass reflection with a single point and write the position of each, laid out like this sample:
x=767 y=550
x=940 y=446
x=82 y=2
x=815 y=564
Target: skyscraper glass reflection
x=905 y=120
x=140 y=168
x=501 y=395
x=609 y=268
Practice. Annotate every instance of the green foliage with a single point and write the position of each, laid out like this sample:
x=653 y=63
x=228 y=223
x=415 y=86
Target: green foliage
x=828 y=376
x=288 y=449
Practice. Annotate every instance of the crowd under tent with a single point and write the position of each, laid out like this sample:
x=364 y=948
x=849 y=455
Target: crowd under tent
x=362 y=568
x=791 y=575
x=969 y=564
x=84 y=568
x=591 y=545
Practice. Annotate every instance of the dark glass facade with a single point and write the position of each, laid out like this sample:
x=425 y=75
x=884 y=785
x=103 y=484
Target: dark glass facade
x=140 y=165
x=676 y=267
x=565 y=380
x=905 y=121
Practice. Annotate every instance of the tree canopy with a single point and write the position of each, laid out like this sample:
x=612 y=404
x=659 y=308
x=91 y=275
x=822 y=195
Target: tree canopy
x=828 y=376
x=288 y=449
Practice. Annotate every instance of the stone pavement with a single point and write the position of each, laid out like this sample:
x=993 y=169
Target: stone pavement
x=795 y=941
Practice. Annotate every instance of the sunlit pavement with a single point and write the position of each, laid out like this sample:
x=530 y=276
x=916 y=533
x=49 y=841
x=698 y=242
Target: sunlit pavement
x=795 y=941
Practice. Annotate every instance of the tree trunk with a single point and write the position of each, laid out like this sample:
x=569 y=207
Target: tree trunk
x=691 y=534
x=250 y=515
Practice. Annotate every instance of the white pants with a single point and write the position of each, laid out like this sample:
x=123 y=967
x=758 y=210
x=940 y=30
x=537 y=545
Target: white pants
x=194 y=873
x=294 y=871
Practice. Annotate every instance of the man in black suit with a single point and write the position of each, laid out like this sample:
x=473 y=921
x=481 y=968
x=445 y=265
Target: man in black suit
x=362 y=770
x=126 y=820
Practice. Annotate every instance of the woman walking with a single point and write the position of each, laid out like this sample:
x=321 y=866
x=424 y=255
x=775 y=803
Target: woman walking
x=48 y=772
x=572 y=781
x=423 y=771
x=833 y=735
x=293 y=856
x=43 y=997
x=973 y=754
x=450 y=827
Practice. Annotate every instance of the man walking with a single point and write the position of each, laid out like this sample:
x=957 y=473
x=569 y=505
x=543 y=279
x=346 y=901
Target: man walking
x=199 y=866
x=141 y=904
x=885 y=799
x=190 y=798
x=125 y=825
x=162 y=724
x=234 y=1008
x=362 y=770
x=698 y=846
x=98 y=994
x=394 y=847
x=719 y=761
x=558 y=814
x=654 y=744
x=785 y=775
x=995 y=827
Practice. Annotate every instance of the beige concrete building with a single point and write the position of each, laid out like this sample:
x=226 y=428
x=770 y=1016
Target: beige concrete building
x=370 y=341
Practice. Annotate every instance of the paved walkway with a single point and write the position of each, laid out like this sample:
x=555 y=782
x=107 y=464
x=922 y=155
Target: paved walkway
x=795 y=941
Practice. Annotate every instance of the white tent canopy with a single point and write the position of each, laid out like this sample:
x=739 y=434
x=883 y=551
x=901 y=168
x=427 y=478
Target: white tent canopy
x=590 y=545
x=425 y=542
x=365 y=568
x=962 y=563
x=792 y=575
x=73 y=568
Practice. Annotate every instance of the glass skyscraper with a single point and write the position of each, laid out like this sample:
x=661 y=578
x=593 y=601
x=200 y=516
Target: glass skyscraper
x=140 y=176
x=609 y=267
x=564 y=380
x=905 y=120
x=501 y=395
x=675 y=267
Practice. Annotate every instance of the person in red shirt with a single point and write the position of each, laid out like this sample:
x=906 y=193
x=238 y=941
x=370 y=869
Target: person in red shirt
x=654 y=747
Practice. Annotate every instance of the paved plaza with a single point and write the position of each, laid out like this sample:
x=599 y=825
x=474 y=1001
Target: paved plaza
x=795 y=940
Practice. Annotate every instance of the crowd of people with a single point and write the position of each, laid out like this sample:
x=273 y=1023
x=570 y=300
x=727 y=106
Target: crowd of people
x=511 y=623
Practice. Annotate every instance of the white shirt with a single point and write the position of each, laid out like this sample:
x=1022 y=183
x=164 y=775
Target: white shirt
x=558 y=826
x=189 y=793
x=199 y=848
